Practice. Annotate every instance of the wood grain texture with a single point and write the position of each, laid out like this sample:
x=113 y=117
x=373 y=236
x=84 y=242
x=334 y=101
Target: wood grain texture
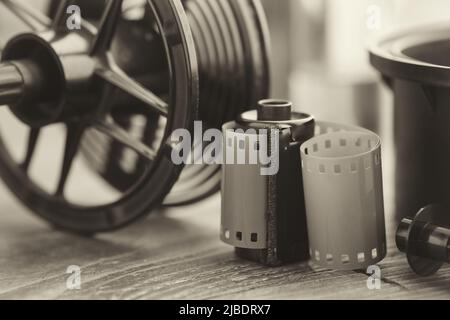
x=177 y=254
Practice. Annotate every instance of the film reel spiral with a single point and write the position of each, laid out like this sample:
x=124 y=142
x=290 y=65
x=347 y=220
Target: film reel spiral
x=326 y=201
x=119 y=86
x=231 y=42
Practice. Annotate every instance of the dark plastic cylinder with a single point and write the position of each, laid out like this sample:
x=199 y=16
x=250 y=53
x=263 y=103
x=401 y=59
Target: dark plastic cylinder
x=416 y=66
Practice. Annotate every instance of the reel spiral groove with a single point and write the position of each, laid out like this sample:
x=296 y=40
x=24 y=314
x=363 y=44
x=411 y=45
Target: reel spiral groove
x=232 y=49
x=118 y=87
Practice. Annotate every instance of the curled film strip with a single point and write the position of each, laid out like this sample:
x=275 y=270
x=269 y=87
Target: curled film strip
x=342 y=178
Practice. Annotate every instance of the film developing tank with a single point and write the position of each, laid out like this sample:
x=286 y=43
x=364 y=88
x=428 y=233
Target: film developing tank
x=263 y=216
x=415 y=65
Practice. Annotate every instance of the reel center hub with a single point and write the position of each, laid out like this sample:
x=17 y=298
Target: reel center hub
x=39 y=98
x=53 y=79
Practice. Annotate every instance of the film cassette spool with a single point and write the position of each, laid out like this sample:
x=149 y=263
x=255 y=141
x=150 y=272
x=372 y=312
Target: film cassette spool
x=342 y=177
x=425 y=238
x=263 y=215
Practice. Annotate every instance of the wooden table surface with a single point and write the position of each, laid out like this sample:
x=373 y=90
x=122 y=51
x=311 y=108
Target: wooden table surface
x=177 y=254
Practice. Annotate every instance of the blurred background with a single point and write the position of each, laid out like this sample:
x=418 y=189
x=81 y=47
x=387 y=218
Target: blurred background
x=319 y=52
x=320 y=59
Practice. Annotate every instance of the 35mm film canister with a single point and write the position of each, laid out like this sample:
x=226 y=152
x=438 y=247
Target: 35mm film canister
x=342 y=178
x=263 y=215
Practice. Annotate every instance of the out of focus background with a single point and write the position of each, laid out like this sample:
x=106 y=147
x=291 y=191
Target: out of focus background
x=320 y=61
x=320 y=58
x=319 y=52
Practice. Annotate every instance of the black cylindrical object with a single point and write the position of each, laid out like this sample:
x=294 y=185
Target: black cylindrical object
x=425 y=239
x=263 y=215
x=416 y=66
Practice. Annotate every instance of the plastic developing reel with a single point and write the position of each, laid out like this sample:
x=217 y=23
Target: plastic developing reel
x=342 y=177
x=263 y=210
